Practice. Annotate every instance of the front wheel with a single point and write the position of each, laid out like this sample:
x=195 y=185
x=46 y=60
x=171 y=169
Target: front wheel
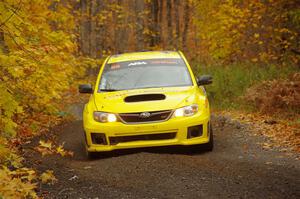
x=207 y=146
x=92 y=155
x=210 y=145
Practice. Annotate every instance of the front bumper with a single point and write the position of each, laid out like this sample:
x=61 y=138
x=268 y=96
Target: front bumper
x=173 y=125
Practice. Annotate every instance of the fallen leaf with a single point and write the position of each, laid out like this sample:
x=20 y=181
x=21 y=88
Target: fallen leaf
x=61 y=151
x=48 y=177
x=44 y=144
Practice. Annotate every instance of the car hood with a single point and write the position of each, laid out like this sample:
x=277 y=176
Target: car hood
x=175 y=97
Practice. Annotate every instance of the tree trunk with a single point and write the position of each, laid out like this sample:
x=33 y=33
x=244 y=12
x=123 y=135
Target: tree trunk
x=100 y=32
x=119 y=36
x=177 y=28
x=84 y=28
x=93 y=24
x=3 y=46
x=186 y=25
x=169 y=24
x=139 y=8
x=154 y=24
x=160 y=24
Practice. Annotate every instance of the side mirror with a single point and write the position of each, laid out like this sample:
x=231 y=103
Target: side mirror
x=204 y=80
x=85 y=88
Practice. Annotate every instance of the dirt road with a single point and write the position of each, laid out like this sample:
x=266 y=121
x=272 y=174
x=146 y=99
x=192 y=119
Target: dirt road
x=237 y=168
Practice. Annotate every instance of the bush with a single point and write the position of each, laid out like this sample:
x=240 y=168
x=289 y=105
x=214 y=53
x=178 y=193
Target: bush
x=231 y=82
x=276 y=95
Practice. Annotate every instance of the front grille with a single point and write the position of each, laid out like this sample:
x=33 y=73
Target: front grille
x=161 y=136
x=154 y=116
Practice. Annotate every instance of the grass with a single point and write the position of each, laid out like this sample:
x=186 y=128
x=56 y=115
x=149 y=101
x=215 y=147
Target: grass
x=230 y=82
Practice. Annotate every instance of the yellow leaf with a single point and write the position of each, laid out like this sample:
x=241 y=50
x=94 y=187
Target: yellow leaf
x=256 y=35
x=60 y=150
x=44 y=151
x=45 y=144
x=48 y=177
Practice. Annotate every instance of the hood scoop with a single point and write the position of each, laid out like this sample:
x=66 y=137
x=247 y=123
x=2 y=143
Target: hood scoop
x=144 y=97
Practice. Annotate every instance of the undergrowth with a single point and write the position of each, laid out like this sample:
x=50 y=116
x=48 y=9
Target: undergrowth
x=231 y=82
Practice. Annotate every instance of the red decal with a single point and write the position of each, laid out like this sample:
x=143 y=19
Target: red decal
x=114 y=66
x=163 y=62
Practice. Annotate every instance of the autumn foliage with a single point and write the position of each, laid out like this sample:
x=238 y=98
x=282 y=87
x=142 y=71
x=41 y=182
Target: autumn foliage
x=47 y=45
x=38 y=63
x=256 y=31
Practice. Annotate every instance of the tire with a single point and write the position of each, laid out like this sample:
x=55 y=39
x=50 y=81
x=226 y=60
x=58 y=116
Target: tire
x=92 y=155
x=210 y=145
x=204 y=147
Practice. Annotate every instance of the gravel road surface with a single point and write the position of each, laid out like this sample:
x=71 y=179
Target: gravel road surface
x=237 y=168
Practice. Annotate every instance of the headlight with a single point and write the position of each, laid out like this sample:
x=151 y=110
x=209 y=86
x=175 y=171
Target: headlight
x=186 y=111
x=105 y=117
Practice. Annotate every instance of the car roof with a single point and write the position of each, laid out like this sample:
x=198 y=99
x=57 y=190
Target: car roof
x=143 y=55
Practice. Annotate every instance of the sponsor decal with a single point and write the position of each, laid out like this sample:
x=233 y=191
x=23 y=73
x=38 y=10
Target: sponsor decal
x=164 y=62
x=137 y=63
x=115 y=66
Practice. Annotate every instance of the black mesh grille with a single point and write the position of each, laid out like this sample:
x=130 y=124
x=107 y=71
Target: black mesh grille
x=98 y=138
x=161 y=136
x=145 y=116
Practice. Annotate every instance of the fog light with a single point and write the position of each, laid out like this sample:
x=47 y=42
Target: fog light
x=98 y=138
x=195 y=131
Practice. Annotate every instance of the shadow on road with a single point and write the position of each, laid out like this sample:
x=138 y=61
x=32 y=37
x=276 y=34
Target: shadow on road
x=180 y=150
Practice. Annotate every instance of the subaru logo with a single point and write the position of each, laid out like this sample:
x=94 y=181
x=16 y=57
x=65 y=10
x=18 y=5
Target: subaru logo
x=145 y=115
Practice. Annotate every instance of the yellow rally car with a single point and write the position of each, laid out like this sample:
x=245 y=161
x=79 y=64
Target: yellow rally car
x=146 y=99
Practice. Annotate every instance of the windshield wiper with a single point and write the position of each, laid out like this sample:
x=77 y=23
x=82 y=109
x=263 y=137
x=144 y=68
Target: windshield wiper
x=109 y=90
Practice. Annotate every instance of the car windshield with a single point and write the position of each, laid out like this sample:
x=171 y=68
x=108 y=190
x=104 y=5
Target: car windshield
x=139 y=74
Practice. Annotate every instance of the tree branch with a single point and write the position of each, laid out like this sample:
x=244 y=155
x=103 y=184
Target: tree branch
x=12 y=14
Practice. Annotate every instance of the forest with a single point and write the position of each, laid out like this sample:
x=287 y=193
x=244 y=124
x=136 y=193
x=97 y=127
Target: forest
x=47 y=47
